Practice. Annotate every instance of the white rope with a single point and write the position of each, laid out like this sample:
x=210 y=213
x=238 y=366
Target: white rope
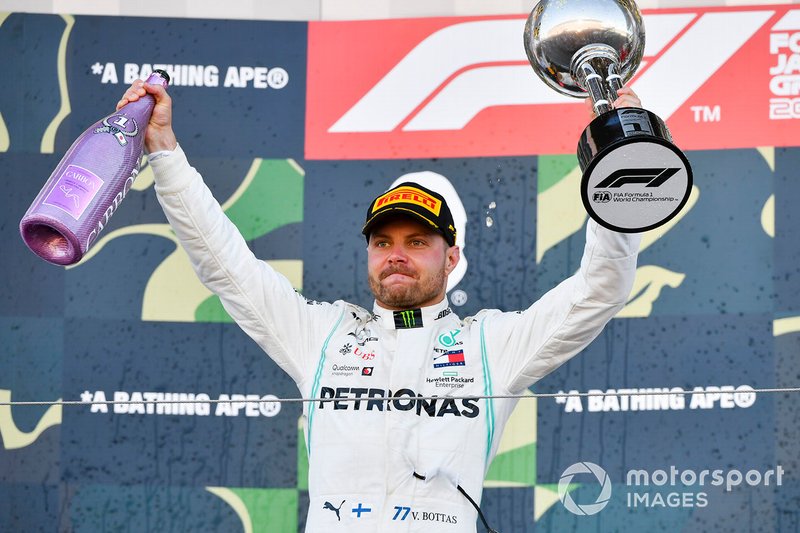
x=625 y=392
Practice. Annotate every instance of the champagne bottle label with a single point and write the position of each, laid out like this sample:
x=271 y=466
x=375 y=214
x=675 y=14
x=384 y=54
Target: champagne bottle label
x=74 y=190
x=120 y=127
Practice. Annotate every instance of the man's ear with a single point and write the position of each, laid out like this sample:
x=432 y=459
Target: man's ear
x=451 y=260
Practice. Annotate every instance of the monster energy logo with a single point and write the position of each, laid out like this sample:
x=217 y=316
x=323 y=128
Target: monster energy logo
x=411 y=318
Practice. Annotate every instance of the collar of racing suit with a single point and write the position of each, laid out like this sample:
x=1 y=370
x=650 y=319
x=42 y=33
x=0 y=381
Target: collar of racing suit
x=411 y=318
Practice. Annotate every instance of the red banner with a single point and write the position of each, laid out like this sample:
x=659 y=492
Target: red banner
x=460 y=87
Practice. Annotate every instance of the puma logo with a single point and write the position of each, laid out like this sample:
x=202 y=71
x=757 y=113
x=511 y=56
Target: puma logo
x=329 y=506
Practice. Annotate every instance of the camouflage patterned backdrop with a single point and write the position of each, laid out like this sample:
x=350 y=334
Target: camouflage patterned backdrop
x=295 y=127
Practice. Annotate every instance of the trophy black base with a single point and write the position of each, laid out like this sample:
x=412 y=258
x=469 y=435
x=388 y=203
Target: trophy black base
x=634 y=178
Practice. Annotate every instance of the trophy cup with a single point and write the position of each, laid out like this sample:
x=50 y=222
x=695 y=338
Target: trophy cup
x=634 y=178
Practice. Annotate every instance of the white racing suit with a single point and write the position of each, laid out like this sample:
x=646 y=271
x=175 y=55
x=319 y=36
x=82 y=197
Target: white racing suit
x=363 y=452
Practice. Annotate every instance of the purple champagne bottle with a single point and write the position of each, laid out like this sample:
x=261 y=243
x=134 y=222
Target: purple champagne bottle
x=89 y=183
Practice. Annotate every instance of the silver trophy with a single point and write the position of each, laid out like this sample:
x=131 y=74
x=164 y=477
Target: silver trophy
x=634 y=178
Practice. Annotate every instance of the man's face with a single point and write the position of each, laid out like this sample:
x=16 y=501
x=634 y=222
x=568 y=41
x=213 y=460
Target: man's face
x=408 y=264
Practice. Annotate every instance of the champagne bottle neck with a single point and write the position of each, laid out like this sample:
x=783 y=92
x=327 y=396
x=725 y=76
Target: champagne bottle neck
x=158 y=77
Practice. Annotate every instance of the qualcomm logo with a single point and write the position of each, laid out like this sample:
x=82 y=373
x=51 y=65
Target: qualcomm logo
x=588 y=508
x=460 y=70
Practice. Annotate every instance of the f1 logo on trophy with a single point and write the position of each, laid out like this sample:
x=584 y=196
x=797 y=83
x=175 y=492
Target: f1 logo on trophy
x=634 y=178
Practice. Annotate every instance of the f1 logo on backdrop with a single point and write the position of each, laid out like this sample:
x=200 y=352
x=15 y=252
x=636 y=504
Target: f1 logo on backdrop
x=456 y=87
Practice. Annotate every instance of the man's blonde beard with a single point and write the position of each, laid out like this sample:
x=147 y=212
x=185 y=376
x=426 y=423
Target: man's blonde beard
x=409 y=297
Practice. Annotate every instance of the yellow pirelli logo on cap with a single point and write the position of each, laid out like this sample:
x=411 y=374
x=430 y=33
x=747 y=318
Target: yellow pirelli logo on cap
x=408 y=195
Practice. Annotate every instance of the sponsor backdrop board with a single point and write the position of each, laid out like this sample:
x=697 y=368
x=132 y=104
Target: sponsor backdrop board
x=295 y=127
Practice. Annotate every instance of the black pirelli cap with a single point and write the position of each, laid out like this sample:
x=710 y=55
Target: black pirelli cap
x=414 y=200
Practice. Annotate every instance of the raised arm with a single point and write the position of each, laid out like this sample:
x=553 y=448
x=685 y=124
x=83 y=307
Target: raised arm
x=526 y=346
x=260 y=300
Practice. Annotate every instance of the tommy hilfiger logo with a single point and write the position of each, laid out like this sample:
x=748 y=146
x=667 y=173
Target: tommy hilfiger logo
x=411 y=318
x=454 y=358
